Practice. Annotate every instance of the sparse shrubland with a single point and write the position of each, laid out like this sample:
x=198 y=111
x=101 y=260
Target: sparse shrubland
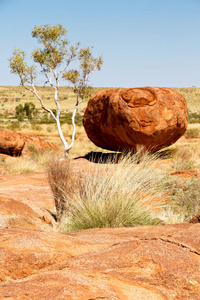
x=113 y=195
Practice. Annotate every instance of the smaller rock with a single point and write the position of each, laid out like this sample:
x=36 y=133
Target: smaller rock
x=195 y=219
x=11 y=143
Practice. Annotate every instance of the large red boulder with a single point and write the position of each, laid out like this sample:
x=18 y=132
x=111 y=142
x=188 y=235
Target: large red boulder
x=11 y=142
x=149 y=117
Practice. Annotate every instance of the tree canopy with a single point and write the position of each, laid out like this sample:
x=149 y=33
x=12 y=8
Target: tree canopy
x=54 y=58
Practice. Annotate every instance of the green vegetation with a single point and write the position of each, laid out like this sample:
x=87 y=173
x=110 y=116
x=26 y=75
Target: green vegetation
x=27 y=110
x=54 y=57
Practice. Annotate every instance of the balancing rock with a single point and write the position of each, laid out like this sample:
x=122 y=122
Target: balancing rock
x=127 y=119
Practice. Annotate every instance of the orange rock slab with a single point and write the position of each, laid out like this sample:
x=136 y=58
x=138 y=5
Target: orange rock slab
x=159 y=262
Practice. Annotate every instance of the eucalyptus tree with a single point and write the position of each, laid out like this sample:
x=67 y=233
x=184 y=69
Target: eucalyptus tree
x=54 y=58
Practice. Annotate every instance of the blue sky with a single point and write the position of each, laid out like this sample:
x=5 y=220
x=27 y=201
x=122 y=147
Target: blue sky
x=143 y=42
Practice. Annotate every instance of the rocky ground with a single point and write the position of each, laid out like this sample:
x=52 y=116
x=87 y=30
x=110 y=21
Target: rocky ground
x=37 y=262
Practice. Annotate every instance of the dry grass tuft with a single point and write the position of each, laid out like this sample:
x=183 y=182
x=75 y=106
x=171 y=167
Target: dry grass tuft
x=109 y=196
x=185 y=157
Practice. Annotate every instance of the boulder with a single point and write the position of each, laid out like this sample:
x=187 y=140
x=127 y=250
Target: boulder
x=11 y=142
x=134 y=118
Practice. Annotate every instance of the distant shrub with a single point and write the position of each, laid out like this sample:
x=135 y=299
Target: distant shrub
x=27 y=110
x=65 y=98
x=14 y=126
x=49 y=129
x=192 y=133
x=193 y=118
x=67 y=118
x=37 y=127
x=20 y=117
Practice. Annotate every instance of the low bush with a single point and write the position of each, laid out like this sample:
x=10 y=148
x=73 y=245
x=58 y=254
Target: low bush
x=15 y=125
x=193 y=118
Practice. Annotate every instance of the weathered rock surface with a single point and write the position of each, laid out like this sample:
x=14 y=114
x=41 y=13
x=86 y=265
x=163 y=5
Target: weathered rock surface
x=155 y=262
x=36 y=143
x=17 y=214
x=151 y=117
x=160 y=262
x=11 y=142
x=30 y=188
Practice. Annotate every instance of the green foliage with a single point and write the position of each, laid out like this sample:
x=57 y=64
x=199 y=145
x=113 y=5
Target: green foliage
x=79 y=79
x=19 y=66
x=27 y=110
x=19 y=109
x=54 y=41
x=193 y=117
x=14 y=126
x=67 y=118
x=54 y=57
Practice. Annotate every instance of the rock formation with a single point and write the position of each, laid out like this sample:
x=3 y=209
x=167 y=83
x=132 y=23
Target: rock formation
x=11 y=143
x=149 y=117
x=36 y=143
x=15 y=144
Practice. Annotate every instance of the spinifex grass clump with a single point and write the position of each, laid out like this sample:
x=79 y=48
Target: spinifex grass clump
x=114 y=194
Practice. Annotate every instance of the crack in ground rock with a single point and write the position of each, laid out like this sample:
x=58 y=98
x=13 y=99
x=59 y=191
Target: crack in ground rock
x=171 y=242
